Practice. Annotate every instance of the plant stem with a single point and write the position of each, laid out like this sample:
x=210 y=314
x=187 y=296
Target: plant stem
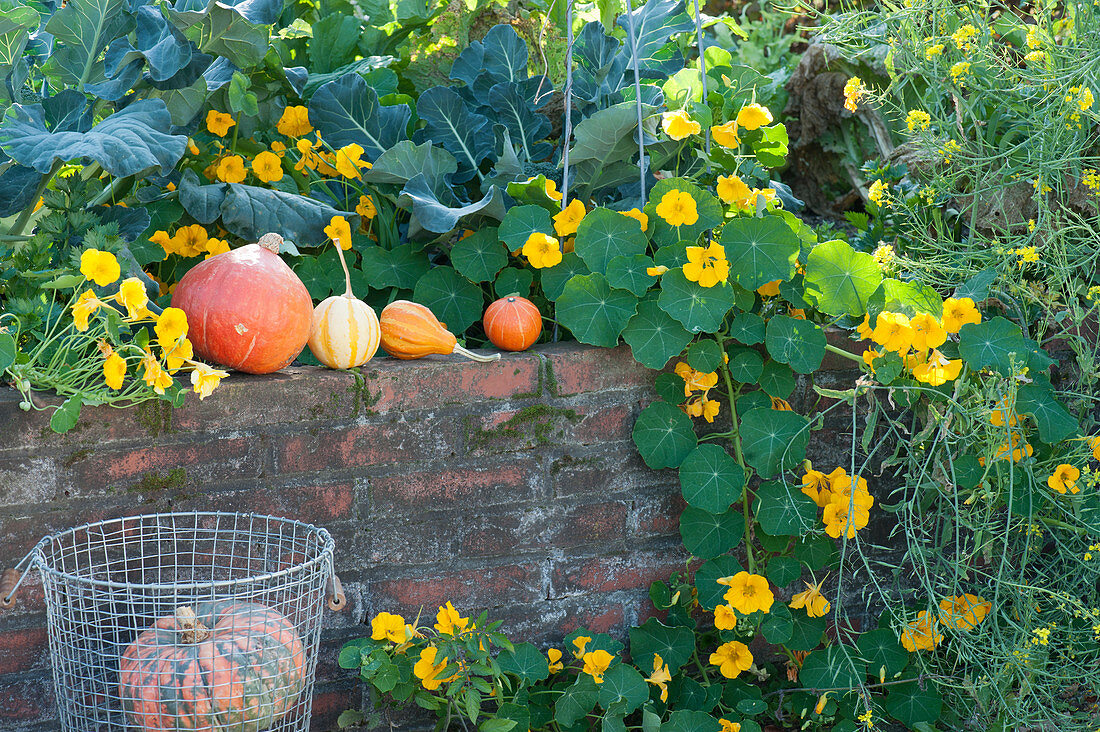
x=842 y=353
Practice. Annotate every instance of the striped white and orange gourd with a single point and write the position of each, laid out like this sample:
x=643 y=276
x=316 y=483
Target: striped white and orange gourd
x=344 y=332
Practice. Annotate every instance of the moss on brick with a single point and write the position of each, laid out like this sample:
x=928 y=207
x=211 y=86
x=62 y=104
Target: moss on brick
x=155 y=415
x=156 y=483
x=534 y=423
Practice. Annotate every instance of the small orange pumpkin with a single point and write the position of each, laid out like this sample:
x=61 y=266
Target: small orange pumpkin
x=344 y=333
x=410 y=330
x=512 y=323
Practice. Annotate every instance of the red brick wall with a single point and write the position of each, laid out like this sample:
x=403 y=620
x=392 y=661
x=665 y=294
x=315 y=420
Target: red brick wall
x=512 y=486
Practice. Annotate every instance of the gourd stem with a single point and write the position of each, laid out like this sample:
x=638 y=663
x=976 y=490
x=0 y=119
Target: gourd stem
x=470 y=354
x=272 y=242
x=347 y=275
x=193 y=630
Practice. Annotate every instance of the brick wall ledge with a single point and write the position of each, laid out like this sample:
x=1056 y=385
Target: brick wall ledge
x=512 y=486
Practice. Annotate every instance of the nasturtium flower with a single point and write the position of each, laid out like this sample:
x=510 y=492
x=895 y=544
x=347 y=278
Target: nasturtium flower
x=732 y=189
x=748 y=593
x=927 y=332
x=869 y=357
x=660 y=676
x=1016 y=449
x=170 y=327
x=846 y=516
x=769 y=289
x=780 y=405
x=817 y=486
x=83 y=308
x=387 y=626
x=161 y=239
x=892 y=331
x=1094 y=445
x=725 y=618
x=959 y=70
x=636 y=213
x=268 y=167
x=811 y=600
x=695 y=380
x=864 y=328
x=100 y=267
x=731 y=659
x=753 y=116
x=854 y=90
x=581 y=643
x=679 y=125
x=132 y=295
x=703 y=407
x=278 y=148
x=678 y=208
x=154 y=375
x=1064 y=478
x=449 y=622
x=542 y=250
x=190 y=241
x=657 y=271
x=552 y=191
x=568 y=219
x=963 y=612
x=921 y=634
x=339 y=230
x=114 y=370
x=939 y=369
x=1002 y=414
x=349 y=160
x=707 y=266
x=728 y=726
x=726 y=134
x=205 y=379
x=553 y=656
x=218 y=123
x=957 y=312
x=216 y=246
x=231 y=169
x=294 y=122
x=176 y=356
x=917 y=119
x=596 y=664
x=428 y=671
x=192 y=147
x=366 y=208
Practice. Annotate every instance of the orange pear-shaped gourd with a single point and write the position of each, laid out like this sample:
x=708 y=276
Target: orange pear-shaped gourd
x=410 y=330
x=344 y=332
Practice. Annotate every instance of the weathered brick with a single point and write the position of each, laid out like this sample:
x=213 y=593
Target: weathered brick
x=439 y=381
x=484 y=587
x=542 y=425
x=604 y=471
x=377 y=442
x=481 y=483
x=315 y=501
x=26 y=698
x=577 y=371
x=28 y=479
x=657 y=512
x=591 y=523
x=332 y=700
x=623 y=571
x=23 y=650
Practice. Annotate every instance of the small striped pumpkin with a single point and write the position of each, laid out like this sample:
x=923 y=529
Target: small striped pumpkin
x=344 y=332
x=512 y=323
x=223 y=666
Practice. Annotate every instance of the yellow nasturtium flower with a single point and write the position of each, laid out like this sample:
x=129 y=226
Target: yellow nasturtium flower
x=449 y=622
x=678 y=208
x=732 y=189
x=963 y=612
x=679 y=125
x=114 y=371
x=927 y=332
x=231 y=169
x=294 y=122
x=100 y=267
x=553 y=655
x=268 y=167
x=921 y=634
x=811 y=600
x=596 y=664
x=176 y=356
x=636 y=213
x=660 y=676
x=428 y=671
x=726 y=134
x=1065 y=478
x=154 y=375
x=171 y=326
x=542 y=250
x=753 y=116
x=349 y=161
x=339 y=230
x=957 y=312
x=707 y=266
x=725 y=618
x=83 y=308
x=939 y=369
x=388 y=626
x=218 y=123
x=731 y=659
x=892 y=331
x=581 y=643
x=190 y=241
x=216 y=246
x=568 y=219
x=132 y=295
x=205 y=379
x=366 y=208
x=748 y=593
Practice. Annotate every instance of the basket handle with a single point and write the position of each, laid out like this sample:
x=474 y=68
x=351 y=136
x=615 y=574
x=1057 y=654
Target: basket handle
x=337 y=600
x=9 y=583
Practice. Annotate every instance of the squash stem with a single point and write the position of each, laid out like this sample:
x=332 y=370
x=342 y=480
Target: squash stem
x=470 y=354
x=347 y=274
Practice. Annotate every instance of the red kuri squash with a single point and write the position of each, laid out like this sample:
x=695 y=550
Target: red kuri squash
x=512 y=323
x=245 y=308
x=227 y=666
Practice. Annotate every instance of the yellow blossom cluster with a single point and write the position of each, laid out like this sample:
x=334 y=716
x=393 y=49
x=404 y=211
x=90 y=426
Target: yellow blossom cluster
x=854 y=90
x=697 y=381
x=845 y=499
x=190 y=241
x=917 y=339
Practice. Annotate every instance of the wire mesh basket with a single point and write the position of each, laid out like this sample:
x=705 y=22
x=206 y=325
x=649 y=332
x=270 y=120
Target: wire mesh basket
x=185 y=621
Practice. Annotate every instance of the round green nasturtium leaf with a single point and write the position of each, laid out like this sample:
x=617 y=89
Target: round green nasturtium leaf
x=664 y=435
x=673 y=256
x=689 y=720
x=454 y=299
x=669 y=387
x=689 y=694
x=783 y=510
x=782 y=571
x=700 y=309
x=753 y=400
x=909 y=298
x=623 y=685
x=835 y=667
x=707 y=535
x=710 y=479
x=806 y=632
x=524 y=661
x=773 y=441
x=576 y=702
x=655 y=337
x=840 y=280
x=799 y=343
x=759 y=250
x=604 y=234
x=777 y=379
x=748 y=328
x=794 y=291
x=706 y=580
x=514 y=280
x=881 y=650
x=522 y=221
x=629 y=273
x=778 y=624
x=401 y=267
x=706 y=205
x=675 y=645
x=594 y=312
x=479 y=256
x=705 y=356
x=997 y=343
x=554 y=278
x=774 y=544
x=320 y=281
x=816 y=552
x=910 y=704
x=752 y=706
x=745 y=365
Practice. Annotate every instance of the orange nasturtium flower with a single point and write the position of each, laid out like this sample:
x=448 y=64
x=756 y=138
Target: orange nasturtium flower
x=294 y=122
